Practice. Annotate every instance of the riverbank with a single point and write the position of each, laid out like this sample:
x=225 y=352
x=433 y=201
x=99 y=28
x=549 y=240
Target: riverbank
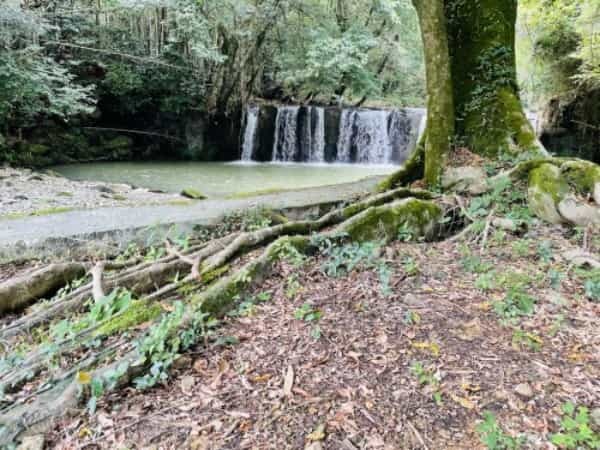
x=109 y=226
x=24 y=192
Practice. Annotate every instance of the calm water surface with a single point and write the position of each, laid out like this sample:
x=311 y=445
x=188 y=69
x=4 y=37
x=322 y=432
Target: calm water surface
x=220 y=179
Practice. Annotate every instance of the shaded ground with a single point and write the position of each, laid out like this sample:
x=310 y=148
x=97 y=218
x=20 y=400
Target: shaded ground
x=414 y=369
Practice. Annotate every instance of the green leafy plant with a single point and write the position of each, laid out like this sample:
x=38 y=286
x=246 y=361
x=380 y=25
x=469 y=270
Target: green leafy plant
x=411 y=267
x=521 y=247
x=287 y=252
x=575 y=430
x=493 y=437
x=343 y=259
x=308 y=313
x=486 y=281
x=516 y=303
x=292 y=286
x=163 y=342
x=530 y=340
x=424 y=376
x=406 y=233
x=247 y=307
x=474 y=264
x=427 y=377
x=544 y=251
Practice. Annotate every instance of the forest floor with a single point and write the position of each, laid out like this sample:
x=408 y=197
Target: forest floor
x=411 y=357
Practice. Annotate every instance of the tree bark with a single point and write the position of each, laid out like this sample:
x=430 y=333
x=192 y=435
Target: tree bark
x=489 y=116
x=472 y=93
x=440 y=103
x=18 y=293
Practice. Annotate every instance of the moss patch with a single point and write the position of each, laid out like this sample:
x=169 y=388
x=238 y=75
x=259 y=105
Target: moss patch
x=193 y=194
x=547 y=188
x=383 y=222
x=139 y=312
x=582 y=175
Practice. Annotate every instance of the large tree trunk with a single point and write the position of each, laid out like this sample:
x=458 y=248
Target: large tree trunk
x=489 y=115
x=440 y=102
x=473 y=97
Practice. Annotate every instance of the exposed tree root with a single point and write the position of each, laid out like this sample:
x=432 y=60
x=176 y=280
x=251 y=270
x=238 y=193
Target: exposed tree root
x=141 y=279
x=18 y=293
x=412 y=170
x=376 y=216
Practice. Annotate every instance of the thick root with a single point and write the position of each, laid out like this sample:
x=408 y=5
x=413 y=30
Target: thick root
x=363 y=220
x=140 y=279
x=412 y=170
x=417 y=217
x=18 y=293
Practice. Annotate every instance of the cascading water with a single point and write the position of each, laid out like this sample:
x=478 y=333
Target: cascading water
x=285 y=146
x=250 y=133
x=364 y=137
x=317 y=150
x=316 y=134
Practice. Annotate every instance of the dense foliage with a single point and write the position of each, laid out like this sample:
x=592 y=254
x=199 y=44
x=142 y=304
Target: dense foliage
x=559 y=43
x=140 y=58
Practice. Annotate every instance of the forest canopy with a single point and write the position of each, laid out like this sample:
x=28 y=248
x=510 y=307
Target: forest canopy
x=143 y=63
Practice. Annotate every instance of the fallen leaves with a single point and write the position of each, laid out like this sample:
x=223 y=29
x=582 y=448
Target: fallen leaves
x=187 y=384
x=318 y=433
x=463 y=401
x=430 y=347
x=288 y=382
x=83 y=378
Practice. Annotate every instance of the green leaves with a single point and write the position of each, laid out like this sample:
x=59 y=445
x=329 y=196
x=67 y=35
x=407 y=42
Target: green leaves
x=575 y=429
x=516 y=303
x=493 y=437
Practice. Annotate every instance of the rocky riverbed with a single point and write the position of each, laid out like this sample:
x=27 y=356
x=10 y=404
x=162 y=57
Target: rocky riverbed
x=24 y=192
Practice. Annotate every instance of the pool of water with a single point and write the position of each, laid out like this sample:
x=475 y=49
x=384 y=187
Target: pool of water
x=220 y=179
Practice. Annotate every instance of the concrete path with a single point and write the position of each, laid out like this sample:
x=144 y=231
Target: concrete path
x=61 y=233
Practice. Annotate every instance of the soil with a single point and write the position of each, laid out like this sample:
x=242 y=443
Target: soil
x=412 y=370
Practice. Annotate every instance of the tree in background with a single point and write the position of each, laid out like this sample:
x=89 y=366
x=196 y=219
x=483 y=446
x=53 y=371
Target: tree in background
x=33 y=84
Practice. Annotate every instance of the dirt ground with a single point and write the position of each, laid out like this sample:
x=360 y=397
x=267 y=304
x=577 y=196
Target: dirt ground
x=412 y=370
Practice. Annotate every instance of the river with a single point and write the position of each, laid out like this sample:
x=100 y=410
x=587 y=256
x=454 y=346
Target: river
x=220 y=180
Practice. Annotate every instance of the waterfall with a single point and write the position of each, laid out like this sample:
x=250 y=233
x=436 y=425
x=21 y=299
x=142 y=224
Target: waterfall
x=250 y=133
x=317 y=134
x=346 y=133
x=285 y=145
x=317 y=149
x=364 y=137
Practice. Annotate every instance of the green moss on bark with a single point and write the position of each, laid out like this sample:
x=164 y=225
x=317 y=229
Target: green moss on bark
x=547 y=188
x=582 y=175
x=383 y=222
x=139 y=312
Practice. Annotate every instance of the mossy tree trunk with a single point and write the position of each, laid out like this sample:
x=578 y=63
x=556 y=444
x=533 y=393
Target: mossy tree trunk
x=489 y=116
x=473 y=97
x=440 y=102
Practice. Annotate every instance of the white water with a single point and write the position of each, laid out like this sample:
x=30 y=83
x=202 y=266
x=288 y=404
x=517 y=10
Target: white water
x=364 y=136
x=286 y=137
x=317 y=149
x=366 y=133
x=250 y=133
